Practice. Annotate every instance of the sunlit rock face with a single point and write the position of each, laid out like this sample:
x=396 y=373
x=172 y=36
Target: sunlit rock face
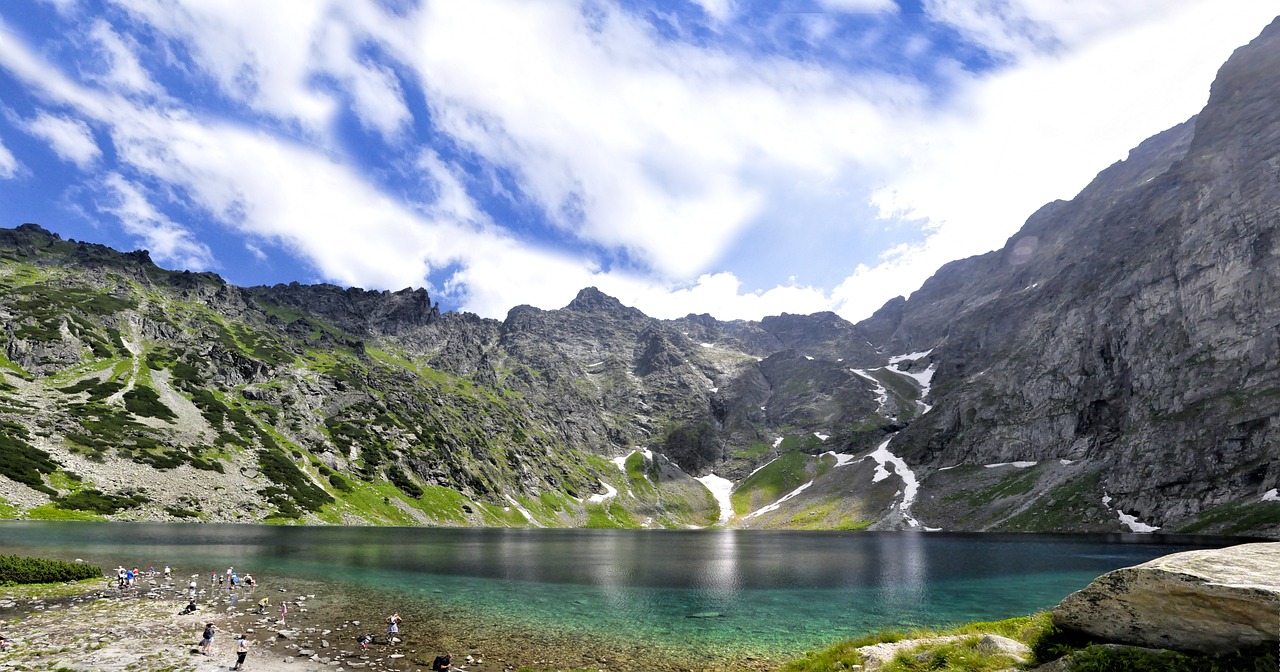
x=1129 y=333
x=1213 y=601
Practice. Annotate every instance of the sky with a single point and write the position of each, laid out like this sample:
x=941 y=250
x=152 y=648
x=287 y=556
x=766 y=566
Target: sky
x=741 y=158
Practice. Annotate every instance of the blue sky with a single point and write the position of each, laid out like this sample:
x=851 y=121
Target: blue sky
x=735 y=157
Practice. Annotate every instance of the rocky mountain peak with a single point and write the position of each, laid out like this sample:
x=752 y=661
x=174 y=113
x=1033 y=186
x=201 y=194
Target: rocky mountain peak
x=591 y=299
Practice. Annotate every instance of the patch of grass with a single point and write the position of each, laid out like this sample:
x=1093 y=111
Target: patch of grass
x=610 y=514
x=1020 y=482
x=955 y=655
x=1235 y=518
x=8 y=511
x=53 y=512
x=636 y=466
x=826 y=515
x=757 y=449
x=1061 y=508
x=502 y=516
x=1029 y=630
x=771 y=482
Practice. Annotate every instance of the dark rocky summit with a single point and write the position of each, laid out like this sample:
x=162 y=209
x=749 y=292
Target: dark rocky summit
x=1114 y=367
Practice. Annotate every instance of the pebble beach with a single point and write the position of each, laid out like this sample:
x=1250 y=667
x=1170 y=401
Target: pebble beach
x=96 y=626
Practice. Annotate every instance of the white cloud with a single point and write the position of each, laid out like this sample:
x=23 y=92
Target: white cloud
x=70 y=138
x=270 y=55
x=718 y=10
x=123 y=71
x=859 y=6
x=8 y=164
x=165 y=240
x=666 y=150
x=1021 y=28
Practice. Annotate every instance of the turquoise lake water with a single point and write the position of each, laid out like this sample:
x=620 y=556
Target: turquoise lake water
x=718 y=593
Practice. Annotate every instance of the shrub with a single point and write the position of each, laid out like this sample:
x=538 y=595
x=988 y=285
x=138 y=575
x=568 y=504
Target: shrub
x=143 y=401
x=23 y=462
x=99 y=502
x=20 y=570
x=401 y=481
x=291 y=485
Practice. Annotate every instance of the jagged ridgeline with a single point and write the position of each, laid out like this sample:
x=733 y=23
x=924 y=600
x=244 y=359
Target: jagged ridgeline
x=130 y=391
x=1115 y=367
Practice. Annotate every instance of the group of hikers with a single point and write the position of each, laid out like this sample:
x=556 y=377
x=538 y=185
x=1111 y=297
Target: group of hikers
x=128 y=578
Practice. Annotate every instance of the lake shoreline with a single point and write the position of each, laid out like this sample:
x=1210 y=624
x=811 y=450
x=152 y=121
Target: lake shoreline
x=97 y=626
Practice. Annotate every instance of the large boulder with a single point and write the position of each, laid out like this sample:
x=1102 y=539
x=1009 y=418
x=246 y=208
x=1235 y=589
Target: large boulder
x=1211 y=601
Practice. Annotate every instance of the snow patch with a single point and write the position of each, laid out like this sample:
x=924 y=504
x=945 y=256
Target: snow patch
x=609 y=493
x=915 y=355
x=1065 y=461
x=842 y=458
x=882 y=394
x=523 y=511
x=1271 y=496
x=714 y=390
x=808 y=358
x=910 y=486
x=950 y=467
x=1134 y=524
x=923 y=378
x=1127 y=520
x=777 y=442
x=707 y=345
x=774 y=506
x=720 y=489
x=821 y=436
x=1019 y=465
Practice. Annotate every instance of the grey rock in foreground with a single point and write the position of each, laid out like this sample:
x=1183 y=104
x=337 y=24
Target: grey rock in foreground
x=1210 y=601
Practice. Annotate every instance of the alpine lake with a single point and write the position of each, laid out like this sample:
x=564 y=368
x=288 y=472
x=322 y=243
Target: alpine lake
x=696 y=599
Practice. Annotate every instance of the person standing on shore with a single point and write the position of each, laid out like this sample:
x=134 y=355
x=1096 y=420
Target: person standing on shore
x=206 y=644
x=393 y=627
x=242 y=649
x=284 y=610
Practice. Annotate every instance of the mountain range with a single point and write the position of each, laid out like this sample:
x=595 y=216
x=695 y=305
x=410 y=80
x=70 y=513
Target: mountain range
x=1115 y=367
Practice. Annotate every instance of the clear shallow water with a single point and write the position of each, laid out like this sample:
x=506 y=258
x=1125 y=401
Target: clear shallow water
x=720 y=593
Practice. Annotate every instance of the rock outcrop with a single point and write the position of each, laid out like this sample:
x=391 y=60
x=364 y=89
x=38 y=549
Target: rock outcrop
x=1209 y=601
